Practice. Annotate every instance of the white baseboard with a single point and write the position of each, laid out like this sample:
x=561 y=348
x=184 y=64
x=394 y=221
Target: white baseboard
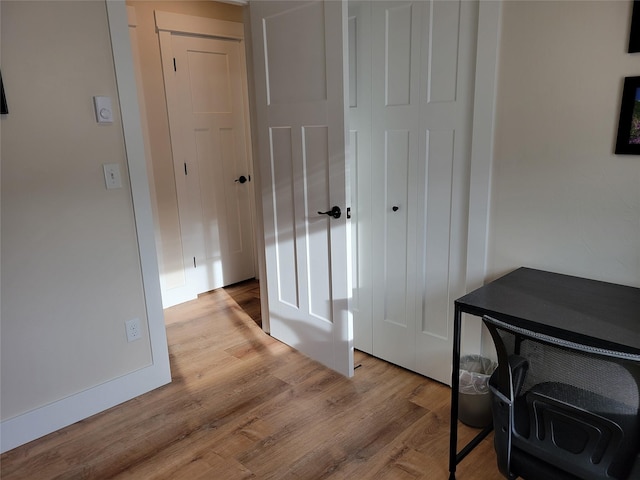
x=176 y=296
x=42 y=421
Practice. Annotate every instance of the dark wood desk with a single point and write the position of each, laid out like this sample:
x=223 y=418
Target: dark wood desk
x=584 y=311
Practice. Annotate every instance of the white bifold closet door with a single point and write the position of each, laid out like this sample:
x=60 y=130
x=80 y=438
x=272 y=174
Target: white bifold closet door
x=411 y=83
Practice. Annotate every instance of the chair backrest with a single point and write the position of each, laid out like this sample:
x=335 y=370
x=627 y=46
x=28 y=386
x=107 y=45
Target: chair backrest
x=563 y=405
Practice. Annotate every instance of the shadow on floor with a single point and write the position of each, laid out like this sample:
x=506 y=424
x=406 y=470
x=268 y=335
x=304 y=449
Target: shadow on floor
x=247 y=295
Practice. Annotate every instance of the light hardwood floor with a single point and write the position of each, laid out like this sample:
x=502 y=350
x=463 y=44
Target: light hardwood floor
x=247 y=295
x=243 y=405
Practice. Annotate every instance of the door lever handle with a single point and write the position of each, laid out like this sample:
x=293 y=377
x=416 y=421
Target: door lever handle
x=335 y=212
x=242 y=179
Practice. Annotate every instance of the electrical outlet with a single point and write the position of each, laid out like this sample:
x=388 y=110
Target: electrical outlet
x=133 y=329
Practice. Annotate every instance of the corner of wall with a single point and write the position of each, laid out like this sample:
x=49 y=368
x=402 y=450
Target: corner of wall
x=49 y=418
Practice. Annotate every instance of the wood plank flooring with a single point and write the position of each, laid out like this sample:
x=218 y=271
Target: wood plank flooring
x=243 y=405
x=247 y=295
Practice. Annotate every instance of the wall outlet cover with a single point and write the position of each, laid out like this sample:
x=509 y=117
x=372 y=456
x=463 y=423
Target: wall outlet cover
x=133 y=329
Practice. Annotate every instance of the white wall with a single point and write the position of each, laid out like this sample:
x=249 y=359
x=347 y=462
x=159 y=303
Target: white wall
x=71 y=265
x=561 y=200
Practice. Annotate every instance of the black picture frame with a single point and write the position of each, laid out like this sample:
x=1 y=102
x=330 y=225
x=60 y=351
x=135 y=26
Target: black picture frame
x=3 y=100
x=634 y=33
x=628 y=141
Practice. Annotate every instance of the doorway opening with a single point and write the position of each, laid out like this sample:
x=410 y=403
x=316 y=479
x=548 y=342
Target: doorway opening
x=194 y=94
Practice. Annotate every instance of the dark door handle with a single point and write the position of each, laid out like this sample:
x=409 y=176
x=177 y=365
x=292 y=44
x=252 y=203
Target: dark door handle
x=241 y=179
x=335 y=212
x=395 y=208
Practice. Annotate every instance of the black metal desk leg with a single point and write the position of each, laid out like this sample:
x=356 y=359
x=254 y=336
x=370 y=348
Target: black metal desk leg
x=455 y=382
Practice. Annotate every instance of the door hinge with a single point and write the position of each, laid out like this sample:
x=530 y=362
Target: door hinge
x=185 y=168
x=175 y=69
x=348 y=212
x=194 y=262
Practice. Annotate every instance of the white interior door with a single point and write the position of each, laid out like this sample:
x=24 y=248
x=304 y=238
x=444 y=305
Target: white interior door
x=396 y=29
x=299 y=54
x=410 y=119
x=448 y=70
x=213 y=174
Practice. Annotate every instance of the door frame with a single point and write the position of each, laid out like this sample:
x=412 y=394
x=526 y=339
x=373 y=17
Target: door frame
x=482 y=143
x=168 y=23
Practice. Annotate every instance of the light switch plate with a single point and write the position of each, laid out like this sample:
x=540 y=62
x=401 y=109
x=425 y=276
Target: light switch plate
x=112 y=177
x=103 y=110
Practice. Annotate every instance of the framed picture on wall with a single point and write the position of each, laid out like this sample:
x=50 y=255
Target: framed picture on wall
x=634 y=34
x=628 y=142
x=3 y=100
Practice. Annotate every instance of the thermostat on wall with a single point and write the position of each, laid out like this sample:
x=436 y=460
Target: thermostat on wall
x=102 y=106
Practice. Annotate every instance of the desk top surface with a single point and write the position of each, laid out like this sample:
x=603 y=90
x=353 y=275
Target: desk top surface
x=595 y=313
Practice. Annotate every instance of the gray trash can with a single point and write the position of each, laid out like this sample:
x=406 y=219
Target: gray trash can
x=474 y=398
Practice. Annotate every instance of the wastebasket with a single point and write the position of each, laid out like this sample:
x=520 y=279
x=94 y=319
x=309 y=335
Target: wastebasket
x=474 y=398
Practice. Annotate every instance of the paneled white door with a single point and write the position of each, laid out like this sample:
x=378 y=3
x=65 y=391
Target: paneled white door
x=203 y=78
x=448 y=68
x=299 y=55
x=411 y=98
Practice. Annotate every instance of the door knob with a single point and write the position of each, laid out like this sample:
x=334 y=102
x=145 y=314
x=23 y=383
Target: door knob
x=241 y=179
x=395 y=208
x=335 y=212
